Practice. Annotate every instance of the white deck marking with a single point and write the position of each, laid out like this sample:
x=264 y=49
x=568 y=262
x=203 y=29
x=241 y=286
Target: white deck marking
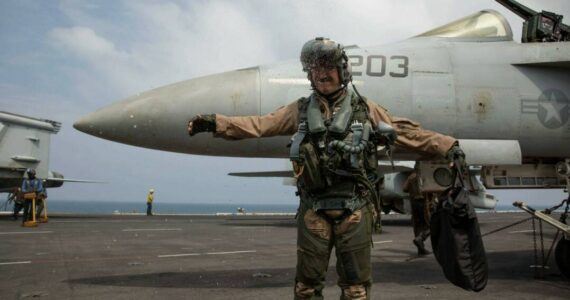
x=25 y=232
x=179 y=255
x=520 y=231
x=153 y=229
x=231 y=252
x=382 y=242
x=207 y=253
x=16 y=263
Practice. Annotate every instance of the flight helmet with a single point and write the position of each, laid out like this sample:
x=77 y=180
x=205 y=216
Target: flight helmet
x=31 y=173
x=326 y=52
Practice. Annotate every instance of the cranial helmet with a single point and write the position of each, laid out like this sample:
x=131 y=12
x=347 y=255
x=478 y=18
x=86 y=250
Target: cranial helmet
x=328 y=53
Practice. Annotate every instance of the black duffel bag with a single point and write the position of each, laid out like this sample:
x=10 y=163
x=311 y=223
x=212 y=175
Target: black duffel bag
x=456 y=239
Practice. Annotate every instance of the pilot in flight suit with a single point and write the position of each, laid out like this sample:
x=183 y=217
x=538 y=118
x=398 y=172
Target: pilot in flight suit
x=335 y=159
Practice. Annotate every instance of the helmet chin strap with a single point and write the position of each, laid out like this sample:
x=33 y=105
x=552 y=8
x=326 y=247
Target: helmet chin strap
x=354 y=88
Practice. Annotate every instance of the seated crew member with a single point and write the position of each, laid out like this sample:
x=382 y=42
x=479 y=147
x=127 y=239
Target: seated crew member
x=31 y=185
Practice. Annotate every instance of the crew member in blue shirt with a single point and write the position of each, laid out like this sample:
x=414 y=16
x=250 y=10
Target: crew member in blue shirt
x=31 y=185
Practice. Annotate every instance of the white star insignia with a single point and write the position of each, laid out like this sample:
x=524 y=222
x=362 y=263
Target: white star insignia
x=553 y=109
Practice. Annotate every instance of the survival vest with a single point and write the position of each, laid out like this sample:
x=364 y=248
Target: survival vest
x=334 y=160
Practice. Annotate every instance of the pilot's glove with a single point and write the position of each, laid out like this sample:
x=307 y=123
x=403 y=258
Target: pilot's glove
x=202 y=123
x=456 y=155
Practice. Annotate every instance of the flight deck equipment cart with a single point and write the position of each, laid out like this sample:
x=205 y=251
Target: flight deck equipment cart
x=562 y=252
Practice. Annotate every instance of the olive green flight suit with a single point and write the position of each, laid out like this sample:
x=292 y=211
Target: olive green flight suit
x=318 y=233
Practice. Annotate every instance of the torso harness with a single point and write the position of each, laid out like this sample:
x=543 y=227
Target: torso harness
x=335 y=160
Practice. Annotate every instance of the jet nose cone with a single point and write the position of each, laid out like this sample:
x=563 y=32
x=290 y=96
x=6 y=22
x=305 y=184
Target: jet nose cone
x=158 y=118
x=119 y=122
x=85 y=124
x=99 y=123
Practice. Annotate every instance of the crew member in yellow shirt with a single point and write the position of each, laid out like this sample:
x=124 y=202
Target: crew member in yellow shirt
x=149 y=199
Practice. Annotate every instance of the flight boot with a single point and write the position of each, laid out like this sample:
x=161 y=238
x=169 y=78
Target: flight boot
x=419 y=242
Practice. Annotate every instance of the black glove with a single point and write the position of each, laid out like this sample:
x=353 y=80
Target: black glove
x=457 y=156
x=202 y=123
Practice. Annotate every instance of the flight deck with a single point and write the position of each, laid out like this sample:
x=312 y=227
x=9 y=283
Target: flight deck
x=243 y=257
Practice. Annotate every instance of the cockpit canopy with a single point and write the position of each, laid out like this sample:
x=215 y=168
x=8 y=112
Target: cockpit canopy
x=485 y=25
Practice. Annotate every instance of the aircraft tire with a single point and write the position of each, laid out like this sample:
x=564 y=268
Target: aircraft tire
x=562 y=256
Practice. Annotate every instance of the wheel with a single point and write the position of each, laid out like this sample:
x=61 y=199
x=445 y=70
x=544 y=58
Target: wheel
x=562 y=256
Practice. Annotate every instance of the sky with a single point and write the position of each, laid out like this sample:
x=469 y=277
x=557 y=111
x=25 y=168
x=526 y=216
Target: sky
x=60 y=60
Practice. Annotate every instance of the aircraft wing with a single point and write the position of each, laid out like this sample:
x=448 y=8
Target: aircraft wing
x=73 y=180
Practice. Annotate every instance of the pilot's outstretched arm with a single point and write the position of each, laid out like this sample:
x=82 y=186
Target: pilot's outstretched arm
x=411 y=135
x=283 y=121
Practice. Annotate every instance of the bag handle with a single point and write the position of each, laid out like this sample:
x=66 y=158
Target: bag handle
x=457 y=172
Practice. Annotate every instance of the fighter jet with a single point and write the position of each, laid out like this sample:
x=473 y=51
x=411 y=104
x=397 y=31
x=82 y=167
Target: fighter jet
x=507 y=102
x=25 y=143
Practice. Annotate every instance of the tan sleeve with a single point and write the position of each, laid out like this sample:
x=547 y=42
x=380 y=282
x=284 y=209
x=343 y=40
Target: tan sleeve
x=410 y=134
x=283 y=121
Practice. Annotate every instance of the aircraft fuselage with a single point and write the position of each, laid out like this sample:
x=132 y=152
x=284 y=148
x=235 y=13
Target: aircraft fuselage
x=469 y=90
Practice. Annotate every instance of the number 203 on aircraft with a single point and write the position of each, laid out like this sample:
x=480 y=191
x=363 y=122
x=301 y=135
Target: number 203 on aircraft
x=376 y=65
